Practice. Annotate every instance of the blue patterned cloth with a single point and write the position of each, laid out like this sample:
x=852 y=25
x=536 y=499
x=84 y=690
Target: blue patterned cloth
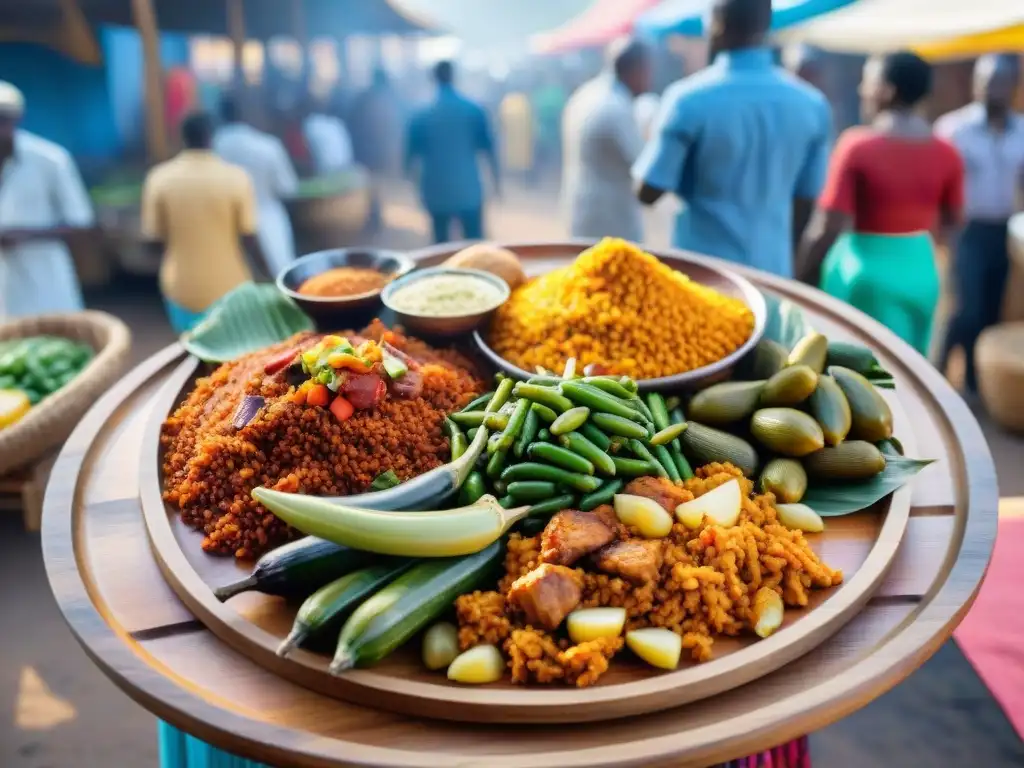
x=179 y=750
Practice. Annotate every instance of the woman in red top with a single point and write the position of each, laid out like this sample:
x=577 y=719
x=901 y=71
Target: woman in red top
x=890 y=184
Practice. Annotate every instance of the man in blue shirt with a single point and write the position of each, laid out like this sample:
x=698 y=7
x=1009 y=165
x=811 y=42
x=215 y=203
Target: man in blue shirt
x=444 y=140
x=742 y=143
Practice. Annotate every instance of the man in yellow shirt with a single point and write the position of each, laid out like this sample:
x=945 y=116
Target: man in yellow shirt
x=199 y=214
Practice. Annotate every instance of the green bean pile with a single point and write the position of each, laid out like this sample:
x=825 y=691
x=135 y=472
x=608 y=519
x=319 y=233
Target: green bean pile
x=568 y=442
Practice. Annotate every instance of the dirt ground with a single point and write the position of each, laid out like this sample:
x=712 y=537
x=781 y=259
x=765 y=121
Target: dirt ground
x=58 y=711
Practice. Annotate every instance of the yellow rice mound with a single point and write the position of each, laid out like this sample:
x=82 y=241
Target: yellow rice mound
x=705 y=589
x=619 y=308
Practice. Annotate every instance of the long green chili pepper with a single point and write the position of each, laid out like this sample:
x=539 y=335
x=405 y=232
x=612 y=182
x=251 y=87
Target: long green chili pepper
x=545 y=381
x=496 y=464
x=544 y=395
x=544 y=413
x=641 y=452
x=531 y=491
x=551 y=506
x=617 y=425
x=611 y=386
x=468 y=418
x=501 y=395
x=596 y=436
x=515 y=425
x=572 y=419
x=478 y=403
x=560 y=457
x=638 y=403
x=633 y=467
x=658 y=411
x=676 y=449
x=459 y=443
x=669 y=433
x=472 y=489
x=602 y=495
x=661 y=453
x=580 y=445
x=496 y=421
x=534 y=471
x=597 y=400
x=528 y=434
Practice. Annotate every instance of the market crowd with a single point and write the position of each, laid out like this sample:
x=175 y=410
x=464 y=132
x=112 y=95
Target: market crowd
x=746 y=145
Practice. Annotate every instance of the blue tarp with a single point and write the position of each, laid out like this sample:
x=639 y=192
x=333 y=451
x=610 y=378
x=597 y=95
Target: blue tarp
x=686 y=17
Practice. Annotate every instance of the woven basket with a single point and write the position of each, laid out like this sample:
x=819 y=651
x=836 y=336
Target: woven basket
x=50 y=422
x=999 y=357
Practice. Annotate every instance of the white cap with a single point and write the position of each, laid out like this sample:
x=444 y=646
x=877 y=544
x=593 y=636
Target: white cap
x=12 y=102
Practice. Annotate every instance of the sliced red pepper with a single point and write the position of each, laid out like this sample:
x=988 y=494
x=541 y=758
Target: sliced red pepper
x=342 y=408
x=280 y=362
x=318 y=396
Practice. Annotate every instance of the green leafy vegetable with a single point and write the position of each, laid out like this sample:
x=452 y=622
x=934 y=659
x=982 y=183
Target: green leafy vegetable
x=787 y=324
x=248 y=319
x=384 y=481
x=837 y=499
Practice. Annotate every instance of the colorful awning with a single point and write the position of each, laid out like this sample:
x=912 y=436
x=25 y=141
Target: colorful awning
x=686 y=17
x=601 y=23
x=487 y=25
x=879 y=26
x=970 y=46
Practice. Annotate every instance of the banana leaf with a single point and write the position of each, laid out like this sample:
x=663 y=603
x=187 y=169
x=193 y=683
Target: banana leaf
x=837 y=499
x=248 y=319
x=384 y=481
x=787 y=324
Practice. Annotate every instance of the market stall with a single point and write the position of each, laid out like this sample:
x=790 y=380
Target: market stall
x=190 y=638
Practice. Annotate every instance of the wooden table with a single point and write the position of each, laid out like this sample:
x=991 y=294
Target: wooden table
x=137 y=631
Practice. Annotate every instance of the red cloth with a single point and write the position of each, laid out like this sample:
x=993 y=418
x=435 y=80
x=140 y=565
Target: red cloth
x=992 y=634
x=892 y=185
x=180 y=94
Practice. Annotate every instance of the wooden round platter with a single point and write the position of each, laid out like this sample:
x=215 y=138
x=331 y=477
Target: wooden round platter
x=862 y=545
x=109 y=587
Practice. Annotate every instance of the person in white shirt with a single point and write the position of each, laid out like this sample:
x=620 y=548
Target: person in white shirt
x=43 y=204
x=646 y=109
x=329 y=142
x=601 y=140
x=990 y=138
x=266 y=161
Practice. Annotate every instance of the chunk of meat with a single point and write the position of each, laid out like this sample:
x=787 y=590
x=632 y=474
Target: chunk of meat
x=659 y=489
x=636 y=560
x=547 y=594
x=571 y=534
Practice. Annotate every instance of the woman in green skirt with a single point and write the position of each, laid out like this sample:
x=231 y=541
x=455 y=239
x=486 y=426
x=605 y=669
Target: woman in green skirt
x=890 y=184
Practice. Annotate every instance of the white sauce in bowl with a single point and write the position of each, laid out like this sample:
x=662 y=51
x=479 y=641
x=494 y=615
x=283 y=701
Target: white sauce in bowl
x=446 y=295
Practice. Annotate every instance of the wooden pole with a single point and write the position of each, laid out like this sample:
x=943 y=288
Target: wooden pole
x=301 y=34
x=156 y=126
x=236 y=26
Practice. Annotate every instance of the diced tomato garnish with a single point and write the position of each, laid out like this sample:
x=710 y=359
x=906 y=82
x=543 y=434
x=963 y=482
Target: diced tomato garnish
x=319 y=396
x=280 y=362
x=342 y=408
x=365 y=390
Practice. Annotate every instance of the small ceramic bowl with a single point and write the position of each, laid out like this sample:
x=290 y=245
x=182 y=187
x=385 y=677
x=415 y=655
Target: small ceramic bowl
x=389 y=263
x=443 y=325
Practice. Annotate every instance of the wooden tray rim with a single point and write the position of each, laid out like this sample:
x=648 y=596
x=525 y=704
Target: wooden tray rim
x=914 y=640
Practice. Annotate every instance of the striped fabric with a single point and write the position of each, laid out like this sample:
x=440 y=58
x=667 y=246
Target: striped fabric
x=179 y=750
x=795 y=754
